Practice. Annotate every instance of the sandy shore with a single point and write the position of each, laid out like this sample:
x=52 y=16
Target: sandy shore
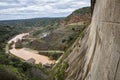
x=27 y=54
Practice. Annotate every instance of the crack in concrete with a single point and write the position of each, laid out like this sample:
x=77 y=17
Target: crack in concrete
x=117 y=68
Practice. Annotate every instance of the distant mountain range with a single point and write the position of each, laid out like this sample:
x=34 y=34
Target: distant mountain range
x=35 y=22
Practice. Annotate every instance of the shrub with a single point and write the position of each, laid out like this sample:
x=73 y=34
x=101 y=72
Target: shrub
x=64 y=40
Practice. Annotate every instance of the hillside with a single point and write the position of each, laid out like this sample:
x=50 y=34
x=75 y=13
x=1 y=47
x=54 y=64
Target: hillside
x=97 y=55
x=56 y=39
x=58 y=36
x=79 y=15
x=81 y=48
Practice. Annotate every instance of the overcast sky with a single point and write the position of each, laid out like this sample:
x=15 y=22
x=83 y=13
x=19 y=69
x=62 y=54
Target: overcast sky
x=22 y=9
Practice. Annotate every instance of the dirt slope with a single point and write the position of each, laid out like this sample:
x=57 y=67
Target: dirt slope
x=79 y=15
x=97 y=56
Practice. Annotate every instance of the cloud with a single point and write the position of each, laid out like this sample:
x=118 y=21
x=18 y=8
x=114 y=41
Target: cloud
x=39 y=8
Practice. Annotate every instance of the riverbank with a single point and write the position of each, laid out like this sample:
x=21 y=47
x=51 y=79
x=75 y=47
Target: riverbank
x=27 y=54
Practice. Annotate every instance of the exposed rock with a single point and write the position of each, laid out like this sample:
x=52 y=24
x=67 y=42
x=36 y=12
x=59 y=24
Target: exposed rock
x=98 y=58
x=31 y=60
x=47 y=65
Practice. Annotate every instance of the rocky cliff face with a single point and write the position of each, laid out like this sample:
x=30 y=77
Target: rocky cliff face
x=97 y=55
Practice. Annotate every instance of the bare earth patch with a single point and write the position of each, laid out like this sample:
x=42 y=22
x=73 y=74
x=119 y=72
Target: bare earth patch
x=26 y=55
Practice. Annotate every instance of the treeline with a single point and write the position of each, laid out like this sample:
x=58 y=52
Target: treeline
x=36 y=22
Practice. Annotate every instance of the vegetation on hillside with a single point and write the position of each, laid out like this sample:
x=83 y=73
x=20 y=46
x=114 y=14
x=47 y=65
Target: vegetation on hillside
x=59 y=38
x=11 y=67
x=58 y=71
x=79 y=15
x=57 y=42
x=84 y=10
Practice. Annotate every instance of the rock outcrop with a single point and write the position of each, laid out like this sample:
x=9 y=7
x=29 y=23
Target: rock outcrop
x=97 y=55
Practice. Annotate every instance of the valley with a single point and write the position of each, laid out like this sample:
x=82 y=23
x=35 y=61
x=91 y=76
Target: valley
x=36 y=47
x=71 y=43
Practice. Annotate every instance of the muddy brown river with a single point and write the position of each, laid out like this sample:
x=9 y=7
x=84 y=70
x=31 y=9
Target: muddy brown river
x=27 y=54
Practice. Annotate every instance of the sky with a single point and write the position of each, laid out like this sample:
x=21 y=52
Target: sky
x=23 y=9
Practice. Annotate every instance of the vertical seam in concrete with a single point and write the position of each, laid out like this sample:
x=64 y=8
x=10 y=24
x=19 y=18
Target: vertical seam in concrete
x=117 y=68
